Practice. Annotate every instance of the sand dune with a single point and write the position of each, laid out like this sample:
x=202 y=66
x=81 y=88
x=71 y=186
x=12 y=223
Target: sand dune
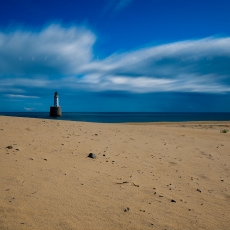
x=146 y=176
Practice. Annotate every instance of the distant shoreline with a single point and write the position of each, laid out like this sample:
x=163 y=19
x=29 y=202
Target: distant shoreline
x=129 y=117
x=181 y=123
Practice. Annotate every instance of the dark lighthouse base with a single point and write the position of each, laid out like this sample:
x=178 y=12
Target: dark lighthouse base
x=55 y=111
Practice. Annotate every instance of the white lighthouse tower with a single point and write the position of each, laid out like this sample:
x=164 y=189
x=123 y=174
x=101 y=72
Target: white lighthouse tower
x=56 y=102
x=55 y=111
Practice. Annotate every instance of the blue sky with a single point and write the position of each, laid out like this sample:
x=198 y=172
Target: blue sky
x=115 y=55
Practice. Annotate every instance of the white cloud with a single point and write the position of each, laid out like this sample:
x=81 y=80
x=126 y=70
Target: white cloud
x=188 y=66
x=64 y=59
x=53 y=50
x=141 y=84
x=20 y=96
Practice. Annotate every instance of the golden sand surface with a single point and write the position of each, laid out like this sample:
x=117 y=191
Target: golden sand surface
x=145 y=176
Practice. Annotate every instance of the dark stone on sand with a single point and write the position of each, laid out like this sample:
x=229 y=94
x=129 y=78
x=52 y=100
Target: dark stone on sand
x=198 y=190
x=92 y=155
x=9 y=147
x=173 y=201
x=126 y=209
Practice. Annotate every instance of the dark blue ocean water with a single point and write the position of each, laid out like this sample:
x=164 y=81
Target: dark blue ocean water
x=113 y=117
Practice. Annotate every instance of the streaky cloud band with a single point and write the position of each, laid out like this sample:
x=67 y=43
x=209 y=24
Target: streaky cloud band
x=63 y=57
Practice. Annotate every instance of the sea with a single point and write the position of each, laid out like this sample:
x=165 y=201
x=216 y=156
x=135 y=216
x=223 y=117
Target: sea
x=121 y=117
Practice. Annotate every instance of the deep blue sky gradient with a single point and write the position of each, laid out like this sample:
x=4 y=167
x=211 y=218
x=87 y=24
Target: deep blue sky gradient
x=138 y=25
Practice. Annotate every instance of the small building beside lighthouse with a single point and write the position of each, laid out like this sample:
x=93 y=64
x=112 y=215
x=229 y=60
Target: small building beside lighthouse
x=55 y=111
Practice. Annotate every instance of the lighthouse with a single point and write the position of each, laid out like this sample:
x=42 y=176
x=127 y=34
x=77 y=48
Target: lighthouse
x=56 y=103
x=55 y=111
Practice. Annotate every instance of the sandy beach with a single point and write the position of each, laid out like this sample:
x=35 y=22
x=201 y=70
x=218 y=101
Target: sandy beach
x=145 y=175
